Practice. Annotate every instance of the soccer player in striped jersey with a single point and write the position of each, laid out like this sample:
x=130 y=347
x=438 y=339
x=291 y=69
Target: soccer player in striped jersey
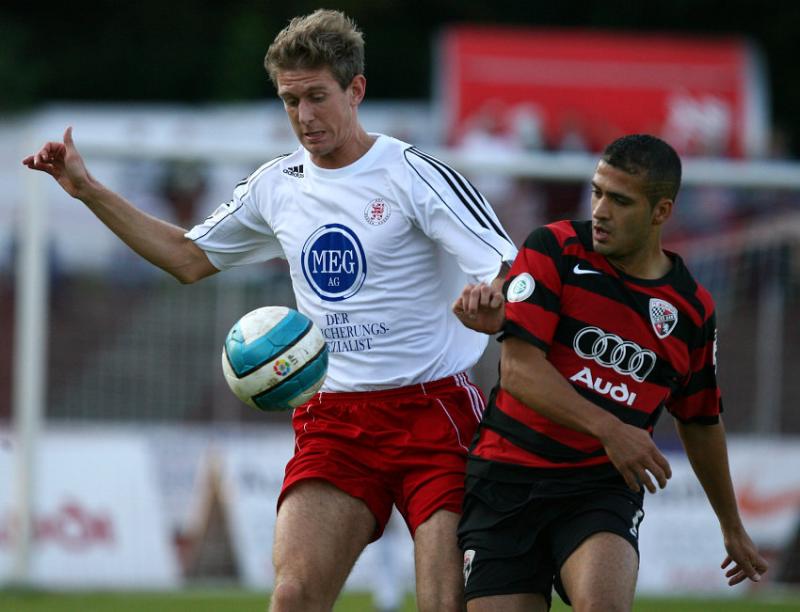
x=603 y=330
x=380 y=238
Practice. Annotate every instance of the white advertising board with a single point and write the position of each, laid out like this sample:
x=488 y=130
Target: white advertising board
x=98 y=520
x=251 y=472
x=680 y=540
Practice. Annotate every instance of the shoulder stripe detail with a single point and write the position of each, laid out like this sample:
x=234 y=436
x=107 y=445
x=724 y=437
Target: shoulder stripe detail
x=258 y=172
x=465 y=191
x=457 y=216
x=219 y=222
x=245 y=184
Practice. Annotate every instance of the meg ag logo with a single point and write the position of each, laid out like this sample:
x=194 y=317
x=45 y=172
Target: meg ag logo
x=334 y=263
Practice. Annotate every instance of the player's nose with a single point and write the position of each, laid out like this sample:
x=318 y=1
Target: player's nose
x=600 y=208
x=305 y=111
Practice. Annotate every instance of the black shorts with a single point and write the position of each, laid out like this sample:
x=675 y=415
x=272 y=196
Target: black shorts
x=516 y=542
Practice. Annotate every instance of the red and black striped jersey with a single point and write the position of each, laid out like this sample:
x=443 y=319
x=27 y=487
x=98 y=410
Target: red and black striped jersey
x=631 y=346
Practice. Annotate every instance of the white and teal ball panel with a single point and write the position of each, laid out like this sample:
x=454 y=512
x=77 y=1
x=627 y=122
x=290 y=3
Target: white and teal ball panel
x=274 y=358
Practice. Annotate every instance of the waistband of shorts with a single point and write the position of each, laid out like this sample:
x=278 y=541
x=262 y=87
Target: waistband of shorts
x=460 y=379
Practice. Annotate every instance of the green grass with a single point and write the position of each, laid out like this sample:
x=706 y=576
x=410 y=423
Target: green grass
x=226 y=600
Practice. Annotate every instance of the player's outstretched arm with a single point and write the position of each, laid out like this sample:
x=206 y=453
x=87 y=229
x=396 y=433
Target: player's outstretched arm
x=159 y=242
x=707 y=451
x=526 y=374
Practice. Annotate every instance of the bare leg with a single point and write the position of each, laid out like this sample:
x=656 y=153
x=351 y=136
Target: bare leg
x=387 y=585
x=319 y=534
x=438 y=561
x=600 y=576
x=522 y=602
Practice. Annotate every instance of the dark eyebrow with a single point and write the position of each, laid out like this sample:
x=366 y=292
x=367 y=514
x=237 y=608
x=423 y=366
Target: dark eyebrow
x=615 y=194
x=621 y=196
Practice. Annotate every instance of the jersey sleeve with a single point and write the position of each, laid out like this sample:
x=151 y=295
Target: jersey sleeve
x=236 y=233
x=452 y=212
x=699 y=399
x=533 y=290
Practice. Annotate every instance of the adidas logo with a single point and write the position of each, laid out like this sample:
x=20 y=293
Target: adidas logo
x=295 y=171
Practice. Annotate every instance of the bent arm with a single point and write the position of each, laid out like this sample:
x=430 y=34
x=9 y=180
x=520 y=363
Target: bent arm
x=529 y=377
x=162 y=244
x=707 y=451
x=159 y=242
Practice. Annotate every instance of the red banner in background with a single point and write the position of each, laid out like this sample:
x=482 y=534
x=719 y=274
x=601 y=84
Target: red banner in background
x=560 y=89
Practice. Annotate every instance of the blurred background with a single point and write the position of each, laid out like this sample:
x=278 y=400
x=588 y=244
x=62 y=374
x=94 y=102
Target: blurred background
x=126 y=463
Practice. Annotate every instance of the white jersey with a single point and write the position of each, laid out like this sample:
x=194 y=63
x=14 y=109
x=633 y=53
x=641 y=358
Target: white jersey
x=377 y=251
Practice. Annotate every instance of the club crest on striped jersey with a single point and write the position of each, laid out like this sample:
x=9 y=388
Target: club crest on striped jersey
x=521 y=288
x=334 y=263
x=377 y=212
x=663 y=317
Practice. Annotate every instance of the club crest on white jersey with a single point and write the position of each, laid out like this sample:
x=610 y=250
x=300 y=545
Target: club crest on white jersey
x=334 y=263
x=663 y=317
x=377 y=212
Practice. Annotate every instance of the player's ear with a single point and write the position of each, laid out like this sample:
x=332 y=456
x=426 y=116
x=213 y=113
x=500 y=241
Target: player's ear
x=357 y=89
x=662 y=210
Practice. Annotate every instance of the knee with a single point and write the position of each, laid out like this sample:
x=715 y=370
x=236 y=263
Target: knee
x=594 y=604
x=291 y=595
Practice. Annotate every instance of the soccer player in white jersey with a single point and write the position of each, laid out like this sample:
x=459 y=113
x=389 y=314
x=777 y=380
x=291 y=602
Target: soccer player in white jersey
x=380 y=237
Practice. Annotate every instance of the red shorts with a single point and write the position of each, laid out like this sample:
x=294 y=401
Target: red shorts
x=404 y=446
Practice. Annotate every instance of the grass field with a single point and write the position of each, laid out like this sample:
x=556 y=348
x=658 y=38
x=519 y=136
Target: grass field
x=243 y=601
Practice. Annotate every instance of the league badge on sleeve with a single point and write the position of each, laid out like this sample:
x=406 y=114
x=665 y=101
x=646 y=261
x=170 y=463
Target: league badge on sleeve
x=521 y=288
x=663 y=317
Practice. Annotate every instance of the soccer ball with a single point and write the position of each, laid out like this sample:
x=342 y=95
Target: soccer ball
x=274 y=358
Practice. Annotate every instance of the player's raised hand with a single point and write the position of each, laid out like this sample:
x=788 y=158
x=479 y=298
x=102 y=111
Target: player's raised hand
x=636 y=457
x=743 y=557
x=62 y=161
x=480 y=307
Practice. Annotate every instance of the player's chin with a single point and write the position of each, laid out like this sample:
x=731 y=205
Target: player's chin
x=604 y=248
x=318 y=150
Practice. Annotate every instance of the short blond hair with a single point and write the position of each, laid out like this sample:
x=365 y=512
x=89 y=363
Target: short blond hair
x=325 y=38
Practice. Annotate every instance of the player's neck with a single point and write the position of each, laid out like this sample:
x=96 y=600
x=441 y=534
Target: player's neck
x=650 y=264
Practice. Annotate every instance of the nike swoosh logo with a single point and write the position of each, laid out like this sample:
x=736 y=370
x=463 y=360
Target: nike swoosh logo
x=760 y=504
x=578 y=270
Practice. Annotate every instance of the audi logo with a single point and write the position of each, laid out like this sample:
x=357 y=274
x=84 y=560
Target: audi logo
x=611 y=351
